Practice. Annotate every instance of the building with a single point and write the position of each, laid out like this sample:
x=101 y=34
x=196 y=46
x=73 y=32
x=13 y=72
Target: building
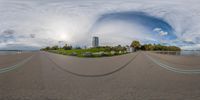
x=130 y=49
x=95 y=41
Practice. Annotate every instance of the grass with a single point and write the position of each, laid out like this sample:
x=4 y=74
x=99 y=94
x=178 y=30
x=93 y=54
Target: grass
x=95 y=52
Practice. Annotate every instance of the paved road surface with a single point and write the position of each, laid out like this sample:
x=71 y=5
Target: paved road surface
x=137 y=76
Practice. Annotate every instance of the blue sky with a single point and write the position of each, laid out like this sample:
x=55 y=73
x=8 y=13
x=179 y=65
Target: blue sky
x=154 y=26
x=32 y=24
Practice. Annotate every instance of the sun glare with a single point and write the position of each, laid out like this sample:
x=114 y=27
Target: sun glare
x=64 y=36
x=60 y=29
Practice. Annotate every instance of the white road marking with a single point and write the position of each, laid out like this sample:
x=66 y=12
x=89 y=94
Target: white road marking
x=6 y=69
x=170 y=68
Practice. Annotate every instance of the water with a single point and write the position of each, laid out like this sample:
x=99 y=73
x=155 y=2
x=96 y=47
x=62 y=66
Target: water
x=180 y=53
x=9 y=52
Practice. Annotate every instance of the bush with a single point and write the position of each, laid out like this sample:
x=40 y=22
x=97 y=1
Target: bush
x=87 y=54
x=73 y=54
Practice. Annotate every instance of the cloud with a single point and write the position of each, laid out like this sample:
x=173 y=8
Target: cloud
x=191 y=47
x=157 y=29
x=160 y=31
x=36 y=23
x=8 y=32
x=7 y=36
x=32 y=35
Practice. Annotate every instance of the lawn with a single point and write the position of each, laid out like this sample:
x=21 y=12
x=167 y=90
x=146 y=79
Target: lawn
x=91 y=52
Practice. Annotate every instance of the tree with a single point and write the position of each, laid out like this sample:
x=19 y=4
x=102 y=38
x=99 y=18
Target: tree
x=66 y=47
x=46 y=48
x=147 y=47
x=54 y=47
x=136 y=45
x=119 y=48
x=159 y=47
x=173 y=48
x=78 y=48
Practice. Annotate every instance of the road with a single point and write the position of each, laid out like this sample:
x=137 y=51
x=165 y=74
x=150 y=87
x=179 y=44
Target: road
x=136 y=76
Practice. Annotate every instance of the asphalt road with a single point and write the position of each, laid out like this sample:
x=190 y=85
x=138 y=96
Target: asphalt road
x=136 y=76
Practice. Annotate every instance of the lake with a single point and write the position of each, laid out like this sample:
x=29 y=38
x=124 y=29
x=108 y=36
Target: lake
x=181 y=53
x=9 y=52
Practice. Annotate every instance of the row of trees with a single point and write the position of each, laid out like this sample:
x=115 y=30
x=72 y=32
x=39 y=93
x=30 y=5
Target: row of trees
x=106 y=48
x=65 y=47
x=114 y=48
x=134 y=44
x=153 y=47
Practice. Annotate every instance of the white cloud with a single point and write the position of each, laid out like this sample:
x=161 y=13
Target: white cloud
x=160 y=31
x=52 y=21
x=157 y=29
x=191 y=47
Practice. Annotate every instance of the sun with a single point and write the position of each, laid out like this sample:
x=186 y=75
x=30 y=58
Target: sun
x=61 y=32
x=64 y=36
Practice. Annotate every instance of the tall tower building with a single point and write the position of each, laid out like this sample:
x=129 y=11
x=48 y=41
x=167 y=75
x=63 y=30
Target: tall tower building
x=95 y=41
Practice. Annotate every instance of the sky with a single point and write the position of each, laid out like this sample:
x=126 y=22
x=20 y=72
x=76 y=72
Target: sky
x=33 y=24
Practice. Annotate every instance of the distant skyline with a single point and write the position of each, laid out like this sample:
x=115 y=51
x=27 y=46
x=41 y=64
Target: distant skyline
x=33 y=24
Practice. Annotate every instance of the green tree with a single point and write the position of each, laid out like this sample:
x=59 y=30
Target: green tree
x=66 y=47
x=173 y=48
x=54 y=47
x=46 y=48
x=136 y=45
x=119 y=48
x=147 y=47
x=159 y=47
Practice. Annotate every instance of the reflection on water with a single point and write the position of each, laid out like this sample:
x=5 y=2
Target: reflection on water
x=181 y=53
